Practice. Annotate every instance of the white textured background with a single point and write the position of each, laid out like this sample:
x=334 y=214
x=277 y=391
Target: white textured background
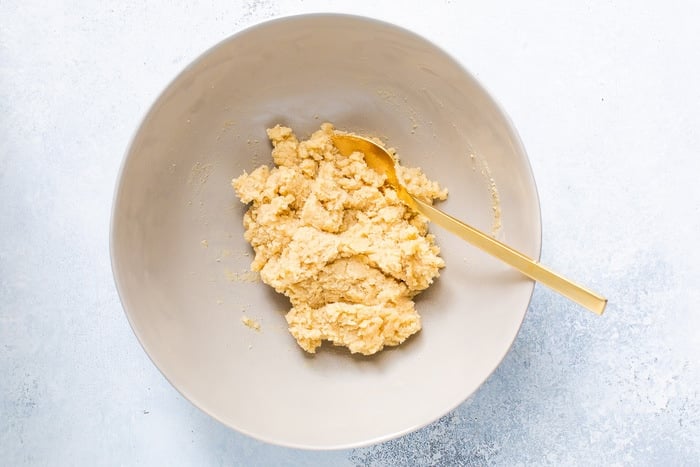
x=606 y=96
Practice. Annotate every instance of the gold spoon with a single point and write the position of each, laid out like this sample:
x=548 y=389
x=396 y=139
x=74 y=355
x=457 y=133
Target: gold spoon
x=381 y=161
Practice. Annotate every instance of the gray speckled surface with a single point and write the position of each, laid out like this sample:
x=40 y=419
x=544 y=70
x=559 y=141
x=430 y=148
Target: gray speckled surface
x=605 y=97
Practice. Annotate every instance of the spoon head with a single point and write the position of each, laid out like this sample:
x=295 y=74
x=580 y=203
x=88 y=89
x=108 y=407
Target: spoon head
x=377 y=158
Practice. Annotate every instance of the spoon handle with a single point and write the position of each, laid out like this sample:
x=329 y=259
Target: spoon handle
x=519 y=261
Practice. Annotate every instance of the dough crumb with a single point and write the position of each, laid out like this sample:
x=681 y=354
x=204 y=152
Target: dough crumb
x=247 y=276
x=251 y=323
x=204 y=243
x=333 y=237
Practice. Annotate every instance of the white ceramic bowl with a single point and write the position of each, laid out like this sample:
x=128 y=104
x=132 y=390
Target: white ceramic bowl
x=185 y=300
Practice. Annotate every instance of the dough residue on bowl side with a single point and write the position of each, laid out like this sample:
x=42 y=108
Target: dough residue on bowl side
x=333 y=237
x=251 y=323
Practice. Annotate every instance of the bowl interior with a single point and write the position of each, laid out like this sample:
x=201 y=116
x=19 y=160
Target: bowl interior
x=180 y=260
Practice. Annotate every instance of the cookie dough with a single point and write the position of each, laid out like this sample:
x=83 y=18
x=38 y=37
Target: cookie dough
x=333 y=237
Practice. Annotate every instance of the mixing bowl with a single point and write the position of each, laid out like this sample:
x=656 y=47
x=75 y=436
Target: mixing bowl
x=182 y=267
